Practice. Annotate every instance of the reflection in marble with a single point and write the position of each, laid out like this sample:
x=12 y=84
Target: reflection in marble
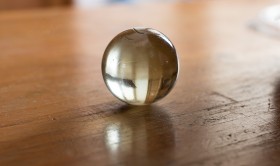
x=139 y=133
x=140 y=66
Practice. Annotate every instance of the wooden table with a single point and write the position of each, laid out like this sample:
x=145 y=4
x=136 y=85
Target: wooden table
x=56 y=110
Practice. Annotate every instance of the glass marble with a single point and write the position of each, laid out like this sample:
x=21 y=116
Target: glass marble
x=140 y=66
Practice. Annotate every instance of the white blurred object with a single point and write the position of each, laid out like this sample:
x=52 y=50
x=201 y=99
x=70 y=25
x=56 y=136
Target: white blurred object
x=268 y=21
x=95 y=3
x=88 y=3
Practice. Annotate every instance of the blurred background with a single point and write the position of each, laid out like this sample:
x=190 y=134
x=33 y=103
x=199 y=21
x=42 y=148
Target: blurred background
x=33 y=4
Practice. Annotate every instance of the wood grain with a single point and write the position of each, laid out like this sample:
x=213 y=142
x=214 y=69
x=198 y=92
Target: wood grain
x=56 y=110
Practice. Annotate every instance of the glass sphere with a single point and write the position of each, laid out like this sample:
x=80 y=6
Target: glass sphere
x=140 y=66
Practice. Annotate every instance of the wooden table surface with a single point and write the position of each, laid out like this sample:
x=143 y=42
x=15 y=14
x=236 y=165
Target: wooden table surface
x=56 y=110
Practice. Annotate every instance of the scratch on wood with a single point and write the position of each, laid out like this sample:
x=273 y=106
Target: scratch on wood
x=229 y=98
